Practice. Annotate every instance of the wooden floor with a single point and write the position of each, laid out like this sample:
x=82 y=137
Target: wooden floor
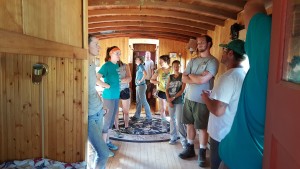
x=159 y=155
x=150 y=156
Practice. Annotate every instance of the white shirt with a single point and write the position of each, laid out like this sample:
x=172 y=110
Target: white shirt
x=149 y=66
x=226 y=90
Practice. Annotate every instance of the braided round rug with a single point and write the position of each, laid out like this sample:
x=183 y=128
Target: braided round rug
x=142 y=130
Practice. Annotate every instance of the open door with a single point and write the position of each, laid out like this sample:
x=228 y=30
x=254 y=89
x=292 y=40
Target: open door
x=283 y=106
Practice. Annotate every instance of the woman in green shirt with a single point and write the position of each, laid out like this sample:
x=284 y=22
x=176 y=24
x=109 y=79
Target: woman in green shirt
x=111 y=94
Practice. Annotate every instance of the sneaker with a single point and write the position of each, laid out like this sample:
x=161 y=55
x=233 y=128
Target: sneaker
x=188 y=152
x=111 y=146
x=133 y=118
x=110 y=154
x=172 y=142
x=202 y=157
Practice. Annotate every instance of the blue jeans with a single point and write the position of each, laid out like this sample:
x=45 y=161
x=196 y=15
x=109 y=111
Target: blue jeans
x=176 y=124
x=142 y=101
x=95 y=124
x=215 y=159
x=113 y=108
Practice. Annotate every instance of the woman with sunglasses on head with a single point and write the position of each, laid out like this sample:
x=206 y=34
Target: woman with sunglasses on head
x=111 y=94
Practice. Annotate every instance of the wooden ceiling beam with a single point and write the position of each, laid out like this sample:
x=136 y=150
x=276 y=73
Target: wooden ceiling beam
x=157 y=12
x=111 y=25
x=146 y=36
x=163 y=5
x=166 y=20
x=143 y=29
x=142 y=32
x=235 y=5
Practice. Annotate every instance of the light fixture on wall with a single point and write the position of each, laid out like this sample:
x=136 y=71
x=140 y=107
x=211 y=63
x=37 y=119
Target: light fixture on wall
x=235 y=29
x=38 y=71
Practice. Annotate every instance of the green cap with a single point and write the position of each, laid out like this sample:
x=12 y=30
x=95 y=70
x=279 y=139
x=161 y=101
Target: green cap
x=236 y=45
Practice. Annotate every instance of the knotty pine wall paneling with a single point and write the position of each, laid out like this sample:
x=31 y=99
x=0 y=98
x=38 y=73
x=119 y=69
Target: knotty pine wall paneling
x=21 y=112
x=59 y=24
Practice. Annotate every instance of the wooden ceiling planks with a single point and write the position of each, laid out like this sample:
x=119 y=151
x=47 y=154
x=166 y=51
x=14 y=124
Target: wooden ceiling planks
x=187 y=18
x=156 y=12
x=144 y=25
x=158 y=19
x=150 y=35
x=165 y=5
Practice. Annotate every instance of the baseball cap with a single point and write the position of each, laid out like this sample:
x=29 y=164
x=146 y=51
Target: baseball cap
x=236 y=45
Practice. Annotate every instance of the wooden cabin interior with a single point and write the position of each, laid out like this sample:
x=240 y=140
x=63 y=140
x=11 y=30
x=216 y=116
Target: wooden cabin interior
x=50 y=119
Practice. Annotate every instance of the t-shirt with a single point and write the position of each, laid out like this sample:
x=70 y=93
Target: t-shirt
x=123 y=72
x=139 y=75
x=94 y=102
x=162 y=79
x=227 y=90
x=197 y=66
x=175 y=86
x=111 y=75
x=149 y=66
x=243 y=147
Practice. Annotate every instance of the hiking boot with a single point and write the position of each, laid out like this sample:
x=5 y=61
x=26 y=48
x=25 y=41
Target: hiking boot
x=202 y=157
x=111 y=146
x=188 y=152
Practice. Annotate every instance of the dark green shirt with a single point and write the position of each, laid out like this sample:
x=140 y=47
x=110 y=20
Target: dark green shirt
x=175 y=86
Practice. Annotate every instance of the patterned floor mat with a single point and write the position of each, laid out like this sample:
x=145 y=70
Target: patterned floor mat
x=142 y=130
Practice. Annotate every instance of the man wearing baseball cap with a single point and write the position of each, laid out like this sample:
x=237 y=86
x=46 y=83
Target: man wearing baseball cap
x=222 y=101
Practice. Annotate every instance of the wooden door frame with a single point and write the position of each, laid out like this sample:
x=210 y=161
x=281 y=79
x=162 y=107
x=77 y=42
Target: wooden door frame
x=272 y=147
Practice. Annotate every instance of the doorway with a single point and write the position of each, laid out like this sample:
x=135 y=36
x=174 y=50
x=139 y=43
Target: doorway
x=140 y=50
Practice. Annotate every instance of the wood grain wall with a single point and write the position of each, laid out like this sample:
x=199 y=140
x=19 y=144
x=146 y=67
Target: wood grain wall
x=64 y=88
x=122 y=43
x=167 y=46
x=55 y=20
x=222 y=35
x=145 y=47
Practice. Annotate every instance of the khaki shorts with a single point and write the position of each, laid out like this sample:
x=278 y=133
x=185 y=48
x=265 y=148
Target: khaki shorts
x=195 y=113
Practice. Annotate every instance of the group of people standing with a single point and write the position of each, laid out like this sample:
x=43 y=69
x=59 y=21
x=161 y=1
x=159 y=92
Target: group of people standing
x=229 y=111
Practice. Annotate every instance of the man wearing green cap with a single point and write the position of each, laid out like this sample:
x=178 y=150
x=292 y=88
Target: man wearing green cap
x=243 y=146
x=223 y=100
